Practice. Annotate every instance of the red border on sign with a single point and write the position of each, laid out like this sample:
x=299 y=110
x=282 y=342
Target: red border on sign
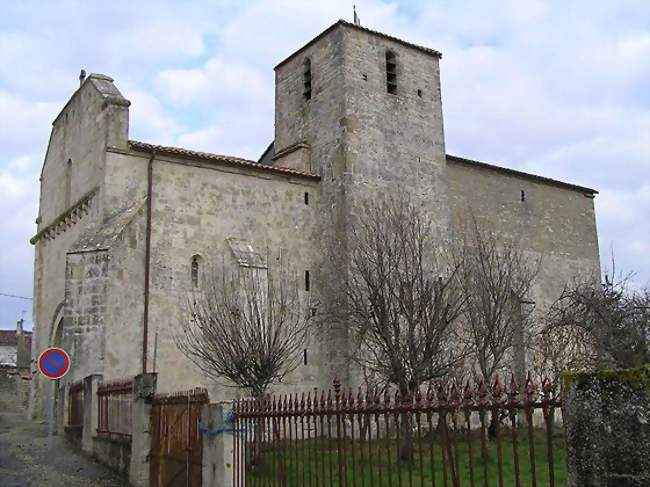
x=66 y=359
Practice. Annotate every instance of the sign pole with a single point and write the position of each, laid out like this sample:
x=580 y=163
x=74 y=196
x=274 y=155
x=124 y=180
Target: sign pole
x=50 y=415
x=52 y=363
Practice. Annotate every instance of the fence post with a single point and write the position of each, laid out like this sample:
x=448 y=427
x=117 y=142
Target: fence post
x=91 y=417
x=606 y=416
x=144 y=387
x=218 y=446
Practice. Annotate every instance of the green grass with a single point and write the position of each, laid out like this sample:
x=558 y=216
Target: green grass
x=311 y=456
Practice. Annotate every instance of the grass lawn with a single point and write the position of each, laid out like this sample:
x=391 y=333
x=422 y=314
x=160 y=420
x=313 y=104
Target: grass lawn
x=304 y=462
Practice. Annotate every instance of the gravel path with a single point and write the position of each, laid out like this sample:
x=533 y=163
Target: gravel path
x=26 y=462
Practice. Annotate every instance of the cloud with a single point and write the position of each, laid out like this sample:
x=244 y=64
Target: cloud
x=18 y=211
x=556 y=88
x=224 y=81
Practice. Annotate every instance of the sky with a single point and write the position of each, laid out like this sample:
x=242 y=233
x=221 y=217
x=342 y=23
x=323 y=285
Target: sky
x=556 y=88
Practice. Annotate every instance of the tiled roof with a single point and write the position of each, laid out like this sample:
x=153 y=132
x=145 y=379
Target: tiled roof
x=341 y=22
x=217 y=158
x=8 y=337
x=525 y=175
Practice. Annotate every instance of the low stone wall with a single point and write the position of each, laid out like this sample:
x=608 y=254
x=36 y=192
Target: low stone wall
x=607 y=421
x=14 y=388
x=74 y=434
x=113 y=451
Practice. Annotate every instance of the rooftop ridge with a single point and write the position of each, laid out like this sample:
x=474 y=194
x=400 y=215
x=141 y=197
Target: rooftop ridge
x=525 y=175
x=212 y=157
x=345 y=23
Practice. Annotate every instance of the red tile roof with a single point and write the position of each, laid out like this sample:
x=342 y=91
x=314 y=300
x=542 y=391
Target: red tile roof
x=218 y=158
x=8 y=337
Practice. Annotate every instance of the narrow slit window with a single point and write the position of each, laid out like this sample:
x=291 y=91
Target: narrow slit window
x=307 y=283
x=195 y=269
x=304 y=356
x=391 y=73
x=306 y=79
x=68 y=183
x=523 y=195
x=306 y=198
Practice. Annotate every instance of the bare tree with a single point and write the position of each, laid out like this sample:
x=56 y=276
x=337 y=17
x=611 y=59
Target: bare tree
x=400 y=298
x=246 y=327
x=612 y=319
x=555 y=349
x=496 y=278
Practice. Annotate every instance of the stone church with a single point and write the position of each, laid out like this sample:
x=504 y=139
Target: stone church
x=126 y=227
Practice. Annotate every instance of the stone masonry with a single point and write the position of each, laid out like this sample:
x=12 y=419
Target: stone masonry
x=350 y=141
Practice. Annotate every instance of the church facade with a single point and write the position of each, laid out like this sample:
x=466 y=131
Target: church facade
x=125 y=227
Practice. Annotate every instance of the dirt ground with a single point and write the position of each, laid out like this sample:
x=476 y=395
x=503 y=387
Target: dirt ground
x=26 y=462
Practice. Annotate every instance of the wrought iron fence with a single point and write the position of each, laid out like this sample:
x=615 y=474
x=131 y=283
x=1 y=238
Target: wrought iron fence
x=76 y=404
x=446 y=435
x=114 y=401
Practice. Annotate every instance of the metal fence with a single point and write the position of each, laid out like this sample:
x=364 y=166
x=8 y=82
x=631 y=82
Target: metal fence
x=114 y=401
x=76 y=404
x=446 y=435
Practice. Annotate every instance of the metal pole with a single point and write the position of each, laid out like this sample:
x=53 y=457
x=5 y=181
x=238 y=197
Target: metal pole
x=50 y=416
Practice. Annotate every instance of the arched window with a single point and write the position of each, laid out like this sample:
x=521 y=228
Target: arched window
x=391 y=73
x=306 y=78
x=195 y=270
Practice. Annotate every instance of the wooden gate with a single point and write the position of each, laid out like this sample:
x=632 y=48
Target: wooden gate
x=176 y=442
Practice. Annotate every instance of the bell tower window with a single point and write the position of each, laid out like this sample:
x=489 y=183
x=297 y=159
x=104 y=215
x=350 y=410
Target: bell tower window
x=306 y=79
x=391 y=73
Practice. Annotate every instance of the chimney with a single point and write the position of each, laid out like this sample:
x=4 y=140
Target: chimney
x=19 y=327
x=82 y=76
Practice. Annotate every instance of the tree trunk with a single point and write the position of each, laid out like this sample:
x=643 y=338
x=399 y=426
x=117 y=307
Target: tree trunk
x=406 y=431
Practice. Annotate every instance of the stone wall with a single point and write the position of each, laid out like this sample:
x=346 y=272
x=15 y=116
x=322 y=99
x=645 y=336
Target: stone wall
x=8 y=354
x=87 y=281
x=14 y=388
x=553 y=223
x=361 y=140
x=607 y=421
x=95 y=116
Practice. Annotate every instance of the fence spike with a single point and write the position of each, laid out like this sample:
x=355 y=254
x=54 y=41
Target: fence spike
x=514 y=387
x=530 y=389
x=442 y=394
x=497 y=389
x=455 y=395
x=430 y=394
x=337 y=389
x=482 y=394
x=468 y=395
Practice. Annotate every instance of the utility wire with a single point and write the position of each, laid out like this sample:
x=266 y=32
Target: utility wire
x=14 y=296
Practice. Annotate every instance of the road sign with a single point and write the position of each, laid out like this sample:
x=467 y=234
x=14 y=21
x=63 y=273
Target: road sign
x=54 y=363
